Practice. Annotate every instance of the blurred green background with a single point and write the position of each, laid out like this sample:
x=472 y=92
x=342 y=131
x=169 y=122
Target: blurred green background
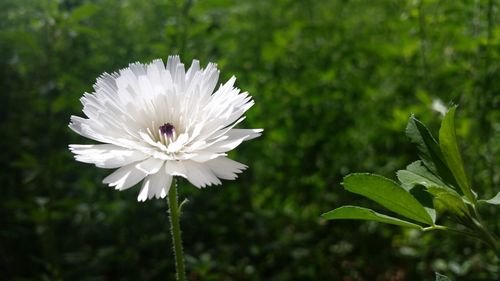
x=334 y=84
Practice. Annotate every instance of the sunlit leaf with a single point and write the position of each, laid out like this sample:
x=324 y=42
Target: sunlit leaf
x=449 y=199
x=83 y=11
x=360 y=213
x=451 y=154
x=428 y=150
x=493 y=201
x=417 y=174
x=388 y=194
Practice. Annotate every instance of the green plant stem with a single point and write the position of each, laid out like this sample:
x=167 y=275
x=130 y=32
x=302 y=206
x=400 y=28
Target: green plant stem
x=445 y=228
x=175 y=230
x=488 y=238
x=484 y=234
x=480 y=232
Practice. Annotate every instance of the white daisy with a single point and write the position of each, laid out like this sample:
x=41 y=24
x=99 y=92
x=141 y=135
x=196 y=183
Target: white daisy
x=156 y=122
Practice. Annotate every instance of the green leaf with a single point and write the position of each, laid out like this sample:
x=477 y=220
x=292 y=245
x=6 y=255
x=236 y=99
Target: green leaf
x=417 y=174
x=414 y=178
x=388 y=194
x=450 y=200
x=428 y=150
x=83 y=11
x=360 y=213
x=441 y=277
x=425 y=199
x=451 y=154
x=494 y=201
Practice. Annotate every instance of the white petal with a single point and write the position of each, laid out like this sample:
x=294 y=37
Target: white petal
x=150 y=165
x=225 y=168
x=147 y=138
x=204 y=156
x=178 y=144
x=195 y=67
x=247 y=134
x=200 y=175
x=176 y=168
x=211 y=75
x=156 y=185
x=224 y=146
x=220 y=130
x=125 y=177
x=106 y=155
x=154 y=73
x=172 y=63
x=81 y=127
x=180 y=76
x=143 y=194
x=160 y=185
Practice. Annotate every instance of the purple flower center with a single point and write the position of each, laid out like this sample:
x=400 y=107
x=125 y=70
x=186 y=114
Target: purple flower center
x=168 y=130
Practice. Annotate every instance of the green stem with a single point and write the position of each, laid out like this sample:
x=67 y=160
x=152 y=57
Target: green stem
x=488 y=238
x=175 y=230
x=445 y=228
x=482 y=232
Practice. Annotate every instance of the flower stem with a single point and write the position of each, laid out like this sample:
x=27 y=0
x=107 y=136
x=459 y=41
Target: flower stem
x=175 y=230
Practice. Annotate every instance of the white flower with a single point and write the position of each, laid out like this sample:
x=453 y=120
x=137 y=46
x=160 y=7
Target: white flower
x=438 y=106
x=156 y=122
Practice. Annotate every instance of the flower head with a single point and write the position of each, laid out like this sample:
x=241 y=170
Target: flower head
x=156 y=121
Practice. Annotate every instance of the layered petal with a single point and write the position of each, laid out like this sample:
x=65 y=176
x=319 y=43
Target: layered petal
x=176 y=168
x=150 y=166
x=106 y=155
x=225 y=168
x=155 y=186
x=125 y=177
x=156 y=121
x=200 y=175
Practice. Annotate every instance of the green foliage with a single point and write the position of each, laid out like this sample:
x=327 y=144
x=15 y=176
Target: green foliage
x=429 y=150
x=495 y=200
x=448 y=199
x=334 y=83
x=359 y=213
x=417 y=174
x=430 y=177
x=388 y=194
x=449 y=148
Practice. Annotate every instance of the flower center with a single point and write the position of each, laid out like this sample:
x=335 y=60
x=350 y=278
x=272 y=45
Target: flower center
x=164 y=138
x=168 y=130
